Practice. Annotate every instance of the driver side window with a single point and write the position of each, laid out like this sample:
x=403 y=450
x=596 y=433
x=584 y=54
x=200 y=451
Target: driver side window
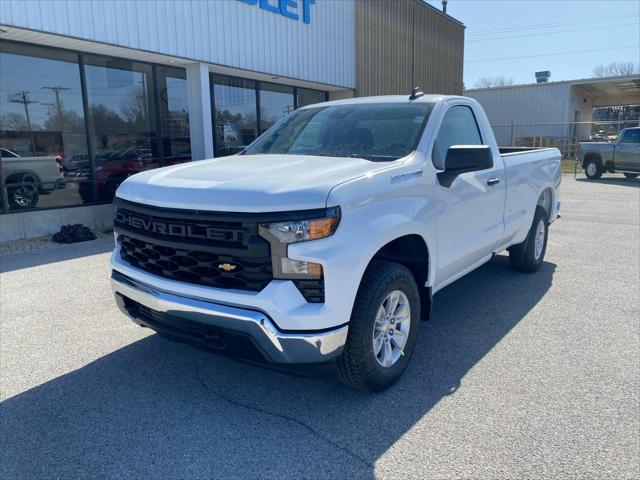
x=631 y=136
x=459 y=127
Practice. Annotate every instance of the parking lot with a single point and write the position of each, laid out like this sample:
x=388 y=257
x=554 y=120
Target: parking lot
x=516 y=376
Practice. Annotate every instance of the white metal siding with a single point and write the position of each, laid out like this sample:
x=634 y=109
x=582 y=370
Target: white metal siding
x=541 y=108
x=225 y=32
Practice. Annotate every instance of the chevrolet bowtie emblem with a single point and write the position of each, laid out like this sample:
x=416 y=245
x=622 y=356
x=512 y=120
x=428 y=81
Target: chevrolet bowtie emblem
x=227 y=267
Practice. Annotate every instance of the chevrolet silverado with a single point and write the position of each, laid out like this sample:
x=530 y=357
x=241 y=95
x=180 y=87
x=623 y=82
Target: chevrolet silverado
x=326 y=238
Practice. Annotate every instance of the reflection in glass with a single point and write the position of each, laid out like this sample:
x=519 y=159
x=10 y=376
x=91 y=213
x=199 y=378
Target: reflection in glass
x=41 y=125
x=121 y=118
x=236 y=123
x=276 y=101
x=309 y=97
x=174 y=115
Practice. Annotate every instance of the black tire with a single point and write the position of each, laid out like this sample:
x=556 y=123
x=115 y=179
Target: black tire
x=523 y=256
x=631 y=175
x=24 y=196
x=593 y=168
x=358 y=366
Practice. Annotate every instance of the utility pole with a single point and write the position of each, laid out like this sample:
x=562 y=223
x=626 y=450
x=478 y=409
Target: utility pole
x=56 y=90
x=50 y=107
x=23 y=97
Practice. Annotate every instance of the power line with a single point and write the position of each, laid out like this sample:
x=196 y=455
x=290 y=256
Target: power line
x=547 y=33
x=552 y=54
x=516 y=28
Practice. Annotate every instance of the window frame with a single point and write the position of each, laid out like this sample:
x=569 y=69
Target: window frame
x=629 y=132
x=448 y=108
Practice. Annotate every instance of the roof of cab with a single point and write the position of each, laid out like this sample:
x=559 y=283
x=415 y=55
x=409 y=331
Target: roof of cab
x=385 y=99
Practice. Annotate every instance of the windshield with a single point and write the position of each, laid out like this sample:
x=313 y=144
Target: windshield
x=373 y=131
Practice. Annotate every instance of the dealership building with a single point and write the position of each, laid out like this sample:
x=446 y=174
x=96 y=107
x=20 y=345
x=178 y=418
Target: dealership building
x=92 y=92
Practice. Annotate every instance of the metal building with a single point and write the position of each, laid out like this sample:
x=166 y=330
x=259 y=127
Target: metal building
x=554 y=113
x=92 y=91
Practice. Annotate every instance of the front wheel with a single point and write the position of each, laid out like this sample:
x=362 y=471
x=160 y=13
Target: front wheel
x=383 y=328
x=631 y=175
x=528 y=255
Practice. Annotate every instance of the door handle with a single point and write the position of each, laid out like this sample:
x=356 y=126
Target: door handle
x=493 y=181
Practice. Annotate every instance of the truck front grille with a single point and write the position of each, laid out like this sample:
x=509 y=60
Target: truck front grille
x=216 y=249
x=196 y=266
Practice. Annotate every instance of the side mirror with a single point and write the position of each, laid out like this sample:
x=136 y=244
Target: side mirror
x=462 y=159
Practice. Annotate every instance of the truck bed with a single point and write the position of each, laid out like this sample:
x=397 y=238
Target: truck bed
x=510 y=150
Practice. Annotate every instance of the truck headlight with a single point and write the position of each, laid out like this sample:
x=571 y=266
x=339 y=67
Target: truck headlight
x=303 y=230
x=281 y=234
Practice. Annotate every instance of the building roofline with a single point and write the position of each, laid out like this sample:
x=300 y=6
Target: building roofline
x=424 y=3
x=579 y=81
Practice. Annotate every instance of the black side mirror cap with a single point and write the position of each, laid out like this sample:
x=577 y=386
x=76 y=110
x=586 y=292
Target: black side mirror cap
x=462 y=159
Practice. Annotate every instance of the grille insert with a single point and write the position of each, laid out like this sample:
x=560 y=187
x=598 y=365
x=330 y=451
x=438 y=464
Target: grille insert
x=311 y=290
x=193 y=266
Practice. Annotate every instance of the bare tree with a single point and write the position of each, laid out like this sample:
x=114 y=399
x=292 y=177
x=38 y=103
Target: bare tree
x=490 y=82
x=615 y=69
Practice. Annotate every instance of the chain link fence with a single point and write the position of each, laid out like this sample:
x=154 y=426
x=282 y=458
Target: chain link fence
x=566 y=136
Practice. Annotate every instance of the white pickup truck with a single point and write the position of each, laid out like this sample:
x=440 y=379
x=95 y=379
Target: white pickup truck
x=325 y=239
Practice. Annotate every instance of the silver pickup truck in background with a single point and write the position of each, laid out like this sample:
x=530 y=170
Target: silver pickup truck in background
x=622 y=156
x=29 y=177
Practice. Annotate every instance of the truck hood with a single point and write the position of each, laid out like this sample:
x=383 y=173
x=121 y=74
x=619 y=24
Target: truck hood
x=246 y=183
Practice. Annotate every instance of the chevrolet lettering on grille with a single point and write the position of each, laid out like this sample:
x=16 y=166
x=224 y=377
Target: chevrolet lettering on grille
x=193 y=231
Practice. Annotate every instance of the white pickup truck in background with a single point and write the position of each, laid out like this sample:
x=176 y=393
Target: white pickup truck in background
x=29 y=177
x=325 y=239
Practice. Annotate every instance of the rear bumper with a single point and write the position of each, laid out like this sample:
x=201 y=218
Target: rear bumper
x=192 y=319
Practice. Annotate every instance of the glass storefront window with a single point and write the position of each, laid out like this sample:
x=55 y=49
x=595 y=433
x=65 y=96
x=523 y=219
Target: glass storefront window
x=174 y=115
x=309 y=97
x=122 y=124
x=236 y=121
x=42 y=135
x=276 y=101
x=137 y=119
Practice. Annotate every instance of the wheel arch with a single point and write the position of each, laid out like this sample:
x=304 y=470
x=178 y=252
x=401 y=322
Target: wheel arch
x=546 y=200
x=19 y=173
x=596 y=156
x=412 y=251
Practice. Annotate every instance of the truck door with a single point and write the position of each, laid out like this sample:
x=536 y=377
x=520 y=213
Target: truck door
x=471 y=210
x=627 y=151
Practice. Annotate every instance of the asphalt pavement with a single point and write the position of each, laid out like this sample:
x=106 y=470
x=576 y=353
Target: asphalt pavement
x=517 y=375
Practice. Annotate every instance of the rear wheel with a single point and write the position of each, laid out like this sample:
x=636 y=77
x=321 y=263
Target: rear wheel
x=631 y=175
x=593 y=168
x=383 y=328
x=529 y=255
x=25 y=195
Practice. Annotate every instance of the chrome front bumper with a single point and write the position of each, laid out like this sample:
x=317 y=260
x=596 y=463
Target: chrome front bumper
x=275 y=346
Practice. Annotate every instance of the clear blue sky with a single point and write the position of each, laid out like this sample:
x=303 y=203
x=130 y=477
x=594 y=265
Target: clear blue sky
x=543 y=27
